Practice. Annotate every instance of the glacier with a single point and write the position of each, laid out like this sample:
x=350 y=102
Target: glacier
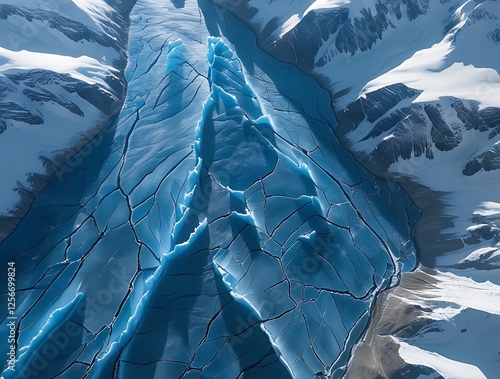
x=250 y=189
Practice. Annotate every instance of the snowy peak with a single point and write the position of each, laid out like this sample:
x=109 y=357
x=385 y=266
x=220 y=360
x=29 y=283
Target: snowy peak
x=451 y=113
x=458 y=54
x=381 y=125
x=348 y=28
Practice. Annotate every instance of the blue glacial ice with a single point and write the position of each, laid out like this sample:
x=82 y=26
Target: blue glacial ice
x=215 y=229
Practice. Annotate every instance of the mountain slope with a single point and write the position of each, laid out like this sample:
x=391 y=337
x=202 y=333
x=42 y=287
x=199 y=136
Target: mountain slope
x=61 y=79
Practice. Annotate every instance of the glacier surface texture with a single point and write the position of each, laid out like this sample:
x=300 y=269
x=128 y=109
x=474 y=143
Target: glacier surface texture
x=250 y=189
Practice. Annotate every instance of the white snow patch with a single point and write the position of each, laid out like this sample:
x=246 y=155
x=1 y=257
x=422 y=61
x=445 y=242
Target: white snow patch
x=289 y=24
x=475 y=227
x=328 y=4
x=291 y=13
x=98 y=10
x=478 y=253
x=459 y=293
x=455 y=66
x=448 y=368
x=489 y=208
x=82 y=68
x=458 y=80
x=388 y=137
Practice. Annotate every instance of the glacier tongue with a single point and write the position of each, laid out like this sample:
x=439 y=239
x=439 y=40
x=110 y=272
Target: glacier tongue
x=216 y=228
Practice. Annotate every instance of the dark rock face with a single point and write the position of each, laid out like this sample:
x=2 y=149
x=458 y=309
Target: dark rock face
x=409 y=137
x=5 y=88
x=352 y=34
x=491 y=117
x=3 y=126
x=375 y=105
x=16 y=112
x=388 y=123
x=495 y=35
x=36 y=80
x=403 y=129
x=482 y=233
x=473 y=118
x=74 y=30
x=300 y=44
x=348 y=33
x=44 y=95
x=33 y=84
x=95 y=95
x=416 y=8
x=488 y=161
x=443 y=136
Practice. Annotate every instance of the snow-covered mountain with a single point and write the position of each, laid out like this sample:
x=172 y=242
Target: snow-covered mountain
x=268 y=189
x=61 y=79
